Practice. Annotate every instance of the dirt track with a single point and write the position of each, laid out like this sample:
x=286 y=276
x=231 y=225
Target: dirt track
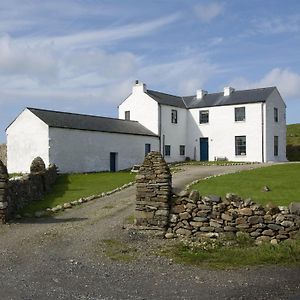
x=64 y=258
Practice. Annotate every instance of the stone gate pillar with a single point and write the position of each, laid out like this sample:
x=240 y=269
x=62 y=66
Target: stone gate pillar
x=153 y=193
x=3 y=192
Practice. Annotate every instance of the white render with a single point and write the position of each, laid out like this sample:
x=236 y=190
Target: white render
x=259 y=126
x=27 y=138
x=70 y=149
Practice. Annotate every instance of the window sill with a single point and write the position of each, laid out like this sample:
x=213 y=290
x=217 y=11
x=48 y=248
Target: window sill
x=244 y=121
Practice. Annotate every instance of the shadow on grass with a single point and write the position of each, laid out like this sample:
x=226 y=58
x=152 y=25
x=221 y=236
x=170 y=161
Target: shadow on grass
x=48 y=220
x=293 y=152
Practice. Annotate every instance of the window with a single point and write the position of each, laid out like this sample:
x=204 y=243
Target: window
x=240 y=145
x=275 y=145
x=167 y=150
x=240 y=114
x=275 y=114
x=203 y=116
x=127 y=115
x=182 y=149
x=174 y=116
x=147 y=148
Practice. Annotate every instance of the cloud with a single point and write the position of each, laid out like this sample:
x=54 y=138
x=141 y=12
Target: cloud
x=287 y=82
x=207 y=12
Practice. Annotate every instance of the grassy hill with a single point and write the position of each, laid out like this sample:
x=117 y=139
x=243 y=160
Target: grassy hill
x=293 y=142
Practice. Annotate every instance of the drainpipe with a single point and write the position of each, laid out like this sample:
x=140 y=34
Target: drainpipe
x=262 y=133
x=159 y=127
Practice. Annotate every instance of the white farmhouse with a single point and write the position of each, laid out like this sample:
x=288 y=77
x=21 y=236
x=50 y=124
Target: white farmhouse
x=76 y=142
x=244 y=125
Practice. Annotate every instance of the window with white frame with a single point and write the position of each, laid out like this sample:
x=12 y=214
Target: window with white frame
x=240 y=114
x=240 y=145
x=203 y=116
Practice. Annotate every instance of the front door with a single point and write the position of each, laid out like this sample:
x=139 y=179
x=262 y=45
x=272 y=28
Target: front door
x=113 y=161
x=203 y=149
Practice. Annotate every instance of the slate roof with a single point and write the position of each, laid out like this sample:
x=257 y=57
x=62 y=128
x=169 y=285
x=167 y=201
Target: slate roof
x=214 y=99
x=60 y=119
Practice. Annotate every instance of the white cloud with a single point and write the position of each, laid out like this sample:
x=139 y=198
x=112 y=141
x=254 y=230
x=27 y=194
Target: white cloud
x=287 y=82
x=207 y=12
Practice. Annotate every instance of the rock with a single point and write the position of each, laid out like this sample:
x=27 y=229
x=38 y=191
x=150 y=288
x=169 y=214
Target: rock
x=248 y=202
x=169 y=235
x=274 y=242
x=255 y=234
x=272 y=209
x=183 y=193
x=268 y=232
x=268 y=219
x=184 y=216
x=67 y=205
x=190 y=206
x=287 y=223
x=213 y=198
x=200 y=219
x=226 y=217
x=162 y=212
x=194 y=195
x=294 y=208
x=230 y=229
x=182 y=231
x=255 y=220
x=281 y=237
x=210 y=235
x=242 y=226
x=207 y=229
x=265 y=189
x=232 y=197
x=196 y=224
x=262 y=239
x=274 y=227
x=178 y=209
x=74 y=203
x=241 y=220
x=173 y=218
x=214 y=224
x=246 y=211
x=37 y=166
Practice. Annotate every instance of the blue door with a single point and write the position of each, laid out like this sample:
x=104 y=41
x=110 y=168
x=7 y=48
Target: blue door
x=203 y=149
x=113 y=161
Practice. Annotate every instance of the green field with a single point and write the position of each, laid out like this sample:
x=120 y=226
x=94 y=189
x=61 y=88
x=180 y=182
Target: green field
x=293 y=142
x=283 y=180
x=71 y=187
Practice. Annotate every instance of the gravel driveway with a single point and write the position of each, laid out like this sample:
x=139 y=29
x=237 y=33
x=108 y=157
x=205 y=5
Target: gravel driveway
x=65 y=257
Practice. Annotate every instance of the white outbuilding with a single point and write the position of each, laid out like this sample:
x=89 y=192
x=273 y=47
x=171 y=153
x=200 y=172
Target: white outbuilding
x=76 y=142
x=237 y=125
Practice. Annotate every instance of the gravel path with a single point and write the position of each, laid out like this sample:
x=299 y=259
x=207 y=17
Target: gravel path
x=67 y=257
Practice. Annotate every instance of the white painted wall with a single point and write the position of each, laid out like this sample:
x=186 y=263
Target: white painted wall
x=175 y=134
x=222 y=129
x=87 y=151
x=142 y=108
x=275 y=128
x=27 y=138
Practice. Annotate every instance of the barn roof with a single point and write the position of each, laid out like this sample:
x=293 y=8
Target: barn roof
x=68 y=120
x=214 y=99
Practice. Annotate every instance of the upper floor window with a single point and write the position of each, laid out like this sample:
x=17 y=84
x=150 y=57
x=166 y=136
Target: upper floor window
x=275 y=145
x=174 y=116
x=167 y=150
x=240 y=145
x=203 y=116
x=182 y=149
x=240 y=114
x=127 y=115
x=275 y=114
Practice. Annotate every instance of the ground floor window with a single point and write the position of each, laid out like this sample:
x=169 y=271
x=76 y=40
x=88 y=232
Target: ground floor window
x=240 y=145
x=182 y=149
x=147 y=148
x=167 y=150
x=275 y=145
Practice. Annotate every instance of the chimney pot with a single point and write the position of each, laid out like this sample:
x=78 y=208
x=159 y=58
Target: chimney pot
x=139 y=87
x=201 y=93
x=228 y=90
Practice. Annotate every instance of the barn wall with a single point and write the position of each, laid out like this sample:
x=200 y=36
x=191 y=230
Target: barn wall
x=87 y=151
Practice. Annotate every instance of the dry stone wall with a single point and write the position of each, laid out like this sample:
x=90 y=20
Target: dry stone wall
x=20 y=191
x=3 y=153
x=212 y=217
x=154 y=189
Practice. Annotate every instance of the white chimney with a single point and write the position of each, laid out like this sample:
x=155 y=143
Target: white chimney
x=201 y=94
x=139 y=87
x=228 y=90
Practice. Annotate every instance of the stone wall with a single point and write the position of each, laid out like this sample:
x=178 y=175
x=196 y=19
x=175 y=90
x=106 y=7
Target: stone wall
x=212 y=217
x=20 y=191
x=154 y=189
x=190 y=215
x=3 y=155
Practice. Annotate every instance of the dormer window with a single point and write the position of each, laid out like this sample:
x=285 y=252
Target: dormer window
x=174 y=116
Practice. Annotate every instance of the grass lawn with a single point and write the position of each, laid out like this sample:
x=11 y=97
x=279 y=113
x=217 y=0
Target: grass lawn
x=214 y=254
x=74 y=186
x=283 y=180
x=293 y=134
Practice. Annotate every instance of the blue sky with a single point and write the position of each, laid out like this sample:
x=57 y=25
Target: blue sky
x=84 y=55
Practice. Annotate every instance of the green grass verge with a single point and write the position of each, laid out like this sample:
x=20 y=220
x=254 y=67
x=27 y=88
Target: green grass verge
x=71 y=187
x=283 y=180
x=240 y=254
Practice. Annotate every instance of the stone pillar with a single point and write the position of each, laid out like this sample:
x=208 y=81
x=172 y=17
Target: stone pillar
x=3 y=193
x=154 y=192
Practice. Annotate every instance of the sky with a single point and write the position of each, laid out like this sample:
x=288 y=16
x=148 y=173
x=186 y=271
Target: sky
x=84 y=55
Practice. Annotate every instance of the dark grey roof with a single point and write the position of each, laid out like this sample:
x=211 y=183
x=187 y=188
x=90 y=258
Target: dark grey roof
x=215 y=99
x=92 y=123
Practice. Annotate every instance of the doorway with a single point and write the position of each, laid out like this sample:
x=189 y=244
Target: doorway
x=113 y=161
x=204 y=149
